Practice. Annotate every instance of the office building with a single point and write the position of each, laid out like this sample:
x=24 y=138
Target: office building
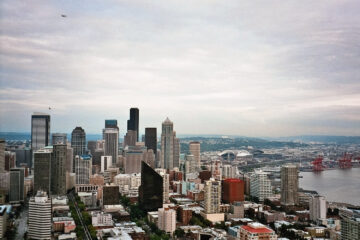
x=106 y=162
x=166 y=183
x=151 y=139
x=133 y=122
x=228 y=171
x=133 y=158
x=16 y=191
x=150 y=158
x=130 y=138
x=167 y=220
x=256 y=231
x=78 y=142
x=232 y=190
x=40 y=131
x=83 y=169
x=289 y=185
x=2 y=155
x=194 y=148
x=24 y=155
x=190 y=164
x=111 y=123
x=39 y=216
x=110 y=195
x=350 y=224
x=10 y=160
x=69 y=164
x=42 y=170
x=58 y=138
x=111 y=146
x=317 y=207
x=151 y=189
x=91 y=146
x=58 y=169
x=212 y=196
x=170 y=146
x=260 y=185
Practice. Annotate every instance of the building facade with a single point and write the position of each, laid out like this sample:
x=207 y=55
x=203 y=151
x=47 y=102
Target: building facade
x=16 y=191
x=289 y=185
x=167 y=220
x=133 y=122
x=78 y=142
x=40 y=131
x=58 y=138
x=232 y=190
x=151 y=139
x=42 y=170
x=58 y=169
x=83 y=169
x=194 y=148
x=151 y=189
x=317 y=207
x=111 y=145
x=260 y=185
x=212 y=196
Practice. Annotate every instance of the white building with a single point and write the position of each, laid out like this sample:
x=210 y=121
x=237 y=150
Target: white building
x=40 y=216
x=190 y=164
x=83 y=169
x=260 y=185
x=229 y=171
x=317 y=206
x=3 y=221
x=167 y=219
x=128 y=183
x=170 y=146
x=100 y=219
x=106 y=162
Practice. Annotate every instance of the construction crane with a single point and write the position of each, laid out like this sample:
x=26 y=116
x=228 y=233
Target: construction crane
x=317 y=164
x=345 y=161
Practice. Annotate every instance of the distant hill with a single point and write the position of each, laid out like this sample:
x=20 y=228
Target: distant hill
x=320 y=139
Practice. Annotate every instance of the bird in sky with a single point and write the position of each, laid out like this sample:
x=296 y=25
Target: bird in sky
x=63 y=15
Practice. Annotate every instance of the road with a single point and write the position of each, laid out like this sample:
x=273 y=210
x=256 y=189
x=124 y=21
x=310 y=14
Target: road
x=86 y=230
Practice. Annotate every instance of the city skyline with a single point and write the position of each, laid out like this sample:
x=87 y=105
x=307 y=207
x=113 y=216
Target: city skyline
x=249 y=68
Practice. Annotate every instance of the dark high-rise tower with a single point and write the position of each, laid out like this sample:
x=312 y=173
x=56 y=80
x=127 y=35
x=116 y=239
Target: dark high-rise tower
x=42 y=170
x=40 y=131
x=151 y=189
x=150 y=139
x=78 y=142
x=58 y=169
x=133 y=122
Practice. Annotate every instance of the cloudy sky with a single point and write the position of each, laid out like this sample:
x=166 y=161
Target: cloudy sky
x=251 y=68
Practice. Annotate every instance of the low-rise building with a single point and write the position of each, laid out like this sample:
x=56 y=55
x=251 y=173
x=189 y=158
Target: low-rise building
x=256 y=231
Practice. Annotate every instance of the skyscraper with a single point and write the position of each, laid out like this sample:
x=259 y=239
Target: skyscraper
x=58 y=169
x=194 y=148
x=42 y=170
x=40 y=131
x=78 y=142
x=111 y=123
x=111 y=137
x=170 y=146
x=130 y=138
x=16 y=191
x=83 y=169
x=39 y=216
x=212 y=196
x=289 y=185
x=151 y=189
x=350 y=224
x=133 y=122
x=58 y=138
x=151 y=139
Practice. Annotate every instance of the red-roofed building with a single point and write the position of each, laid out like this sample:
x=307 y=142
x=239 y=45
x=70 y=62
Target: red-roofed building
x=232 y=190
x=256 y=231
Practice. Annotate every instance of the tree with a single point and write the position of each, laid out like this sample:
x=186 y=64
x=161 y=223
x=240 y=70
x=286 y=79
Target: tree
x=179 y=232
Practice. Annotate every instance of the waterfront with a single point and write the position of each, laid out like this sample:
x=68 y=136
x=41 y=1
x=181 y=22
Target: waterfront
x=340 y=185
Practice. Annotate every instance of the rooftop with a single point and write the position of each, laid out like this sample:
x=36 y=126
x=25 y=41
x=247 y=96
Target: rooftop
x=256 y=228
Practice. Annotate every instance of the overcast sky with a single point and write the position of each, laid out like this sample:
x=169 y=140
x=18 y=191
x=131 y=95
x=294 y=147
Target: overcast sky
x=251 y=68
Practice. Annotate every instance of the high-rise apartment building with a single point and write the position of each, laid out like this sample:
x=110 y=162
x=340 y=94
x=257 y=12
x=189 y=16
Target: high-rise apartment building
x=289 y=185
x=83 y=169
x=212 y=196
x=194 y=148
x=167 y=220
x=111 y=146
x=16 y=191
x=228 y=171
x=260 y=185
x=151 y=189
x=170 y=146
x=151 y=139
x=42 y=170
x=40 y=131
x=58 y=169
x=2 y=155
x=40 y=216
x=78 y=142
x=58 y=138
x=133 y=122
x=317 y=208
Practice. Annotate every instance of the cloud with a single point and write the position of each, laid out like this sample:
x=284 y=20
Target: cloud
x=255 y=68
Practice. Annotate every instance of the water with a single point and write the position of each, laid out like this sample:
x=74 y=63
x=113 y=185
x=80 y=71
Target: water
x=340 y=185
